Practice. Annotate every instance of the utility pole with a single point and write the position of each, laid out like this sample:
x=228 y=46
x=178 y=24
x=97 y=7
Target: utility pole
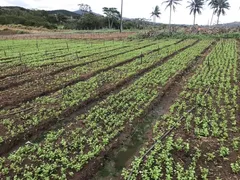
x=121 y=20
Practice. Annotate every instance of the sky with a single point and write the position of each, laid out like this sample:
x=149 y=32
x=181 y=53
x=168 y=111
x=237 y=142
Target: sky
x=133 y=9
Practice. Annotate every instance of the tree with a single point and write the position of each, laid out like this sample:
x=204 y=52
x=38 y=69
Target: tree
x=90 y=21
x=107 y=12
x=195 y=7
x=85 y=7
x=172 y=5
x=60 y=18
x=156 y=13
x=220 y=6
x=112 y=14
x=213 y=5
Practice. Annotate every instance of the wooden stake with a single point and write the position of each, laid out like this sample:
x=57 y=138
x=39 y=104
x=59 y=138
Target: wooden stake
x=77 y=56
x=67 y=46
x=37 y=46
x=20 y=57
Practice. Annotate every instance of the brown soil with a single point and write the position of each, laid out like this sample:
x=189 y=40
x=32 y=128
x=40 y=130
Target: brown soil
x=28 y=29
x=14 y=71
x=107 y=36
x=10 y=32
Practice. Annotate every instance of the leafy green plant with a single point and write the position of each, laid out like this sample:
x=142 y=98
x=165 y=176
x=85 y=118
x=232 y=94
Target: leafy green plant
x=223 y=151
x=236 y=166
x=210 y=156
x=204 y=173
x=236 y=143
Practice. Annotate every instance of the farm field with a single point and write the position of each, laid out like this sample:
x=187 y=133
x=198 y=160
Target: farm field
x=67 y=106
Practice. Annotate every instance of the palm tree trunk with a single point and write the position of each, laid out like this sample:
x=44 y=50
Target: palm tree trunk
x=218 y=19
x=170 y=19
x=121 y=20
x=212 y=18
x=109 y=23
x=154 y=19
x=194 y=19
x=112 y=23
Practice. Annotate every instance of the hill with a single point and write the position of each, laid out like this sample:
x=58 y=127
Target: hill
x=48 y=19
x=27 y=17
x=231 y=25
x=64 y=12
x=53 y=19
x=77 y=20
x=80 y=12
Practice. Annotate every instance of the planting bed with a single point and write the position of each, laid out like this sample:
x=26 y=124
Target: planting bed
x=67 y=106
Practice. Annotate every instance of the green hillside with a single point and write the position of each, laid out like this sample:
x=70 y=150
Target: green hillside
x=78 y=20
x=19 y=15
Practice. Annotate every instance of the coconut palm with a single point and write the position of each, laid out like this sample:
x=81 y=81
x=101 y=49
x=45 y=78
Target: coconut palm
x=220 y=7
x=156 y=13
x=214 y=6
x=195 y=7
x=172 y=5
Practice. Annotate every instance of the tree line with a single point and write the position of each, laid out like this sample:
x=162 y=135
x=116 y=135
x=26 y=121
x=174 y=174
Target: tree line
x=88 y=20
x=218 y=7
x=111 y=19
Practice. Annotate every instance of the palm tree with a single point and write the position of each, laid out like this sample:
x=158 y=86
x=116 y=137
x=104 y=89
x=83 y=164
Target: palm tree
x=172 y=4
x=213 y=5
x=195 y=7
x=219 y=8
x=156 y=13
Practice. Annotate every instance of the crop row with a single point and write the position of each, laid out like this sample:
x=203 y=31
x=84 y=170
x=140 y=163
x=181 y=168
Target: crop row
x=61 y=101
x=199 y=137
x=88 y=56
x=35 y=47
x=39 y=72
x=57 y=64
x=20 y=44
x=49 y=84
x=65 y=151
x=48 y=56
x=11 y=52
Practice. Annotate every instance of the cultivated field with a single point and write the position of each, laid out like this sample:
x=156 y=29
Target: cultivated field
x=68 y=106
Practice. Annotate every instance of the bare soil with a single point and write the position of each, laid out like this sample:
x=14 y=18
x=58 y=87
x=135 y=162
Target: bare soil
x=106 y=36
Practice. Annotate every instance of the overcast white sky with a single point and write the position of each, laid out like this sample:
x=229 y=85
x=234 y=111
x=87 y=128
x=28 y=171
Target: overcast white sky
x=132 y=9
